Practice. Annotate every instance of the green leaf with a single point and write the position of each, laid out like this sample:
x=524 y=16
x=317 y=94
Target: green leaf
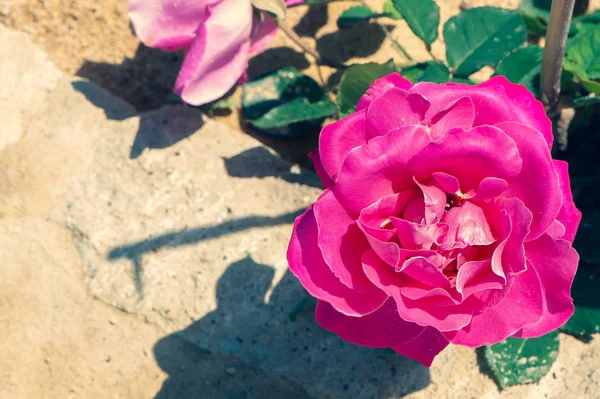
x=586 y=22
x=354 y=15
x=591 y=86
x=436 y=73
x=414 y=72
x=285 y=103
x=482 y=36
x=422 y=17
x=583 y=54
x=355 y=82
x=587 y=240
x=586 y=319
x=523 y=66
x=390 y=11
x=536 y=14
x=522 y=361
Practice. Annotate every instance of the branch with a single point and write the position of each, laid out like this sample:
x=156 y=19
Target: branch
x=554 y=51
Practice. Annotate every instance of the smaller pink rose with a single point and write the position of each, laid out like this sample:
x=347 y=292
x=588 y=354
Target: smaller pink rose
x=218 y=37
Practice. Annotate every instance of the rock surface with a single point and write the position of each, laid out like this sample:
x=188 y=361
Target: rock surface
x=144 y=256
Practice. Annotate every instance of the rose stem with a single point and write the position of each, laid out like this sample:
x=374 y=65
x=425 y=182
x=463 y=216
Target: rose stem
x=554 y=51
x=296 y=39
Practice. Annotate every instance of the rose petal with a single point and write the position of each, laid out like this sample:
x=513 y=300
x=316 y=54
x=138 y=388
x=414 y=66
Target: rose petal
x=467 y=226
x=418 y=236
x=321 y=172
x=218 y=55
x=338 y=138
x=394 y=109
x=489 y=187
x=383 y=329
x=422 y=270
x=569 y=215
x=470 y=156
x=537 y=184
x=264 y=29
x=511 y=220
x=381 y=86
x=496 y=100
x=556 y=264
x=342 y=242
x=525 y=107
x=459 y=114
x=435 y=202
x=379 y=168
x=167 y=24
x=476 y=276
x=522 y=306
x=448 y=183
x=375 y=219
x=446 y=318
x=307 y=264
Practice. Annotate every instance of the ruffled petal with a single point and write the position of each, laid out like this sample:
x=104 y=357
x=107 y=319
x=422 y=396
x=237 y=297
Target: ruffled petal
x=522 y=306
x=167 y=24
x=394 y=109
x=218 y=55
x=569 y=216
x=419 y=236
x=384 y=329
x=459 y=114
x=537 y=184
x=555 y=263
x=342 y=242
x=476 y=276
x=379 y=168
x=380 y=86
x=470 y=156
x=443 y=318
x=337 y=139
x=307 y=264
x=467 y=226
x=526 y=108
x=511 y=220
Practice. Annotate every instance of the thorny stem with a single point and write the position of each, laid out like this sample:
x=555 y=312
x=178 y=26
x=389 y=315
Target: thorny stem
x=554 y=51
x=296 y=39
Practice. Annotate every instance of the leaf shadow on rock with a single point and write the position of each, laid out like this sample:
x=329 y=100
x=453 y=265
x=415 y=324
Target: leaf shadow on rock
x=260 y=163
x=362 y=40
x=166 y=127
x=144 y=81
x=135 y=251
x=315 y=18
x=270 y=333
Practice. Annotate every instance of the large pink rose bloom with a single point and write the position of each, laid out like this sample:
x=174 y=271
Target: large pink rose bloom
x=444 y=220
x=217 y=35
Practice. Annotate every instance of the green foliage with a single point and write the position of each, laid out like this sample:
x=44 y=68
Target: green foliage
x=523 y=66
x=482 y=36
x=355 y=81
x=390 y=11
x=285 y=103
x=585 y=22
x=586 y=298
x=422 y=16
x=354 y=15
x=522 y=361
x=536 y=14
x=583 y=54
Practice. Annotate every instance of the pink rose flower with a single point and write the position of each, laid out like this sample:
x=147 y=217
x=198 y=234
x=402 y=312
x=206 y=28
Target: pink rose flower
x=444 y=220
x=218 y=36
